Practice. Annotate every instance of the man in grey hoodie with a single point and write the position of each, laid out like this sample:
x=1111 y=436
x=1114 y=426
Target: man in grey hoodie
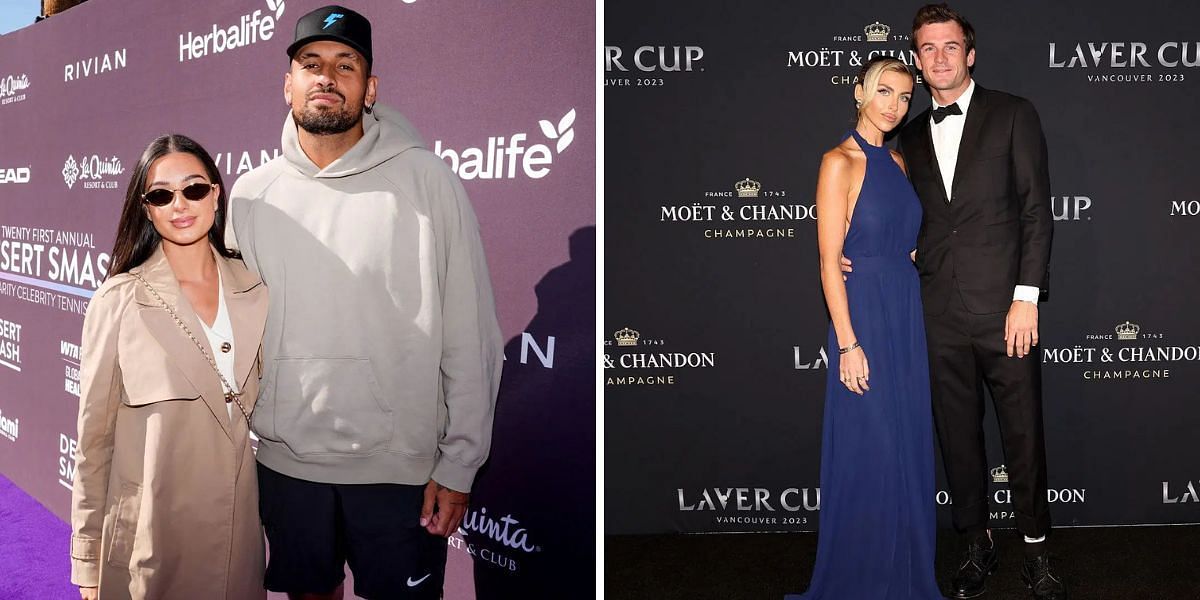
x=382 y=352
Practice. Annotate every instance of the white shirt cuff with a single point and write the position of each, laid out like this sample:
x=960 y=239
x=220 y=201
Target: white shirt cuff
x=1028 y=293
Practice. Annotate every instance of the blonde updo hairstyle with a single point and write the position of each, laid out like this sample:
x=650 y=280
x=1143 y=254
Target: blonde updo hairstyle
x=868 y=78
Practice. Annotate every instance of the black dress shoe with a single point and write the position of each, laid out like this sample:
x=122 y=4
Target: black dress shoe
x=1037 y=577
x=971 y=579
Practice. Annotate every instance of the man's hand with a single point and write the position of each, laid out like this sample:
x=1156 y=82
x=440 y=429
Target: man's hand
x=443 y=510
x=88 y=593
x=1020 y=328
x=847 y=267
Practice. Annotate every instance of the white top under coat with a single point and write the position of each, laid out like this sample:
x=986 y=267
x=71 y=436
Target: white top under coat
x=220 y=333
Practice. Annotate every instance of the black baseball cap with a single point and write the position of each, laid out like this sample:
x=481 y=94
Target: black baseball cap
x=334 y=23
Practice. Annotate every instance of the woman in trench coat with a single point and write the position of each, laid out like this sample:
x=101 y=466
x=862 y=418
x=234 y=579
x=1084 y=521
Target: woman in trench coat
x=165 y=500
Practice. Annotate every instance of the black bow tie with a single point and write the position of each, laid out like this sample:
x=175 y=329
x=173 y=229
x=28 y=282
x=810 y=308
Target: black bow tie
x=945 y=111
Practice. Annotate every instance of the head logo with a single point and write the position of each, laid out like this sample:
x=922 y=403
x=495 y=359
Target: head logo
x=250 y=29
x=17 y=175
x=489 y=162
x=331 y=19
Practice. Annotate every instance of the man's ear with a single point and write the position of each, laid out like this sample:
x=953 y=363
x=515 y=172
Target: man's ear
x=372 y=87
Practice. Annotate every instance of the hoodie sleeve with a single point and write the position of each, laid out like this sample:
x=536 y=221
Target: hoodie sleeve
x=239 y=221
x=100 y=393
x=472 y=346
x=231 y=241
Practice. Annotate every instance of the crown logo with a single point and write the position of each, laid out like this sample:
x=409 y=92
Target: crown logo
x=747 y=188
x=877 y=32
x=1000 y=474
x=1127 y=331
x=627 y=337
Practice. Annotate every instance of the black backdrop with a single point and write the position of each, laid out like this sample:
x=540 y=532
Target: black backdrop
x=713 y=414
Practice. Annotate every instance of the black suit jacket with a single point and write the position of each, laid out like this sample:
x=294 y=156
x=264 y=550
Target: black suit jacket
x=993 y=233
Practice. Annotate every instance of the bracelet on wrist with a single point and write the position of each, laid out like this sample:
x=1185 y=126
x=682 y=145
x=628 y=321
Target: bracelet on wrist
x=848 y=348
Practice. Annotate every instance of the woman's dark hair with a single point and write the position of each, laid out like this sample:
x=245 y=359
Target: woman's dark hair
x=942 y=13
x=136 y=237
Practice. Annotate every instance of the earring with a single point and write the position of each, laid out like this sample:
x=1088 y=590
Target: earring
x=858 y=104
x=368 y=108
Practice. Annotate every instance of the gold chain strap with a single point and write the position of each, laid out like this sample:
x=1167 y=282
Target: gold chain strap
x=230 y=395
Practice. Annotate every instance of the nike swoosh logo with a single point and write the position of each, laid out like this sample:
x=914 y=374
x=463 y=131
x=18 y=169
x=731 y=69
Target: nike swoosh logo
x=412 y=583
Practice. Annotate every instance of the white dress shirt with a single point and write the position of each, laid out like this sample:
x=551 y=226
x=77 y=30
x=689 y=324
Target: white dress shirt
x=946 y=138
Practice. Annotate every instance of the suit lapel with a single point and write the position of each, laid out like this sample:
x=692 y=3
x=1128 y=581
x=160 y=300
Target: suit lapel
x=972 y=129
x=927 y=143
x=924 y=144
x=174 y=341
x=246 y=303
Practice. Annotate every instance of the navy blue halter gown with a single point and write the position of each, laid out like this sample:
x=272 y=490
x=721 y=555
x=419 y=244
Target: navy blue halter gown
x=877 y=524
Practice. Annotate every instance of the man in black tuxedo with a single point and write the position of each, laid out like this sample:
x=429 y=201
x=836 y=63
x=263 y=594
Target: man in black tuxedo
x=977 y=159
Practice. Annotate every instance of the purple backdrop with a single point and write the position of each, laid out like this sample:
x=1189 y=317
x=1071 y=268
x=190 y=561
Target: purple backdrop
x=82 y=94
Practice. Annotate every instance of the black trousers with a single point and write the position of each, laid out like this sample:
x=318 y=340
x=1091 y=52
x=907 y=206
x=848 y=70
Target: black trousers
x=966 y=352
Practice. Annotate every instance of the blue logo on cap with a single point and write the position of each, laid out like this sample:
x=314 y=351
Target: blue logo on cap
x=331 y=19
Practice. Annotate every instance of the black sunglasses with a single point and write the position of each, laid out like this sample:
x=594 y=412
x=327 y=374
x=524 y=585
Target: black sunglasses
x=163 y=196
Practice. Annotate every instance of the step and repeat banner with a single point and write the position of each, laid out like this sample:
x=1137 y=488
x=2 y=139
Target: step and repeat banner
x=716 y=117
x=503 y=92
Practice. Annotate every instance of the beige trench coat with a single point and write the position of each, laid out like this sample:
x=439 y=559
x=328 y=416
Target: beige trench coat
x=165 y=498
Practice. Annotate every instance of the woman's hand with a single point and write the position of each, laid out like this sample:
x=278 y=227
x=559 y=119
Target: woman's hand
x=87 y=593
x=854 y=371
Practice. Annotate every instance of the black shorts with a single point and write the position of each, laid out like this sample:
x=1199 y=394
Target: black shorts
x=314 y=529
